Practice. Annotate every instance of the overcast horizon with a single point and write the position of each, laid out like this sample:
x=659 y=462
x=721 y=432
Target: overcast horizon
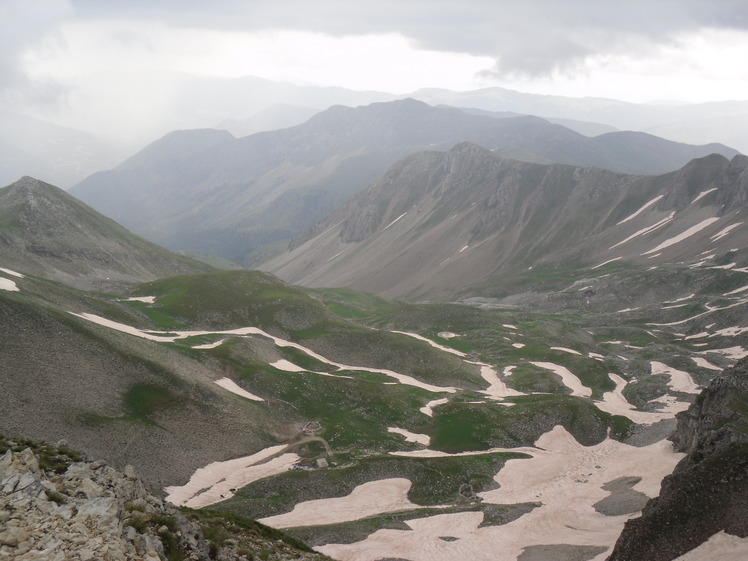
x=107 y=65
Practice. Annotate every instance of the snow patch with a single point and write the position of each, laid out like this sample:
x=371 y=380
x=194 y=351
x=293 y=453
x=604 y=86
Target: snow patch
x=368 y=499
x=428 y=409
x=680 y=299
x=704 y=363
x=615 y=403
x=569 y=379
x=737 y=290
x=734 y=353
x=646 y=230
x=424 y=439
x=213 y=483
x=210 y=345
x=564 y=476
x=564 y=349
x=233 y=387
x=703 y=194
x=432 y=343
x=719 y=547
x=680 y=381
x=605 y=262
x=12 y=273
x=146 y=299
x=642 y=209
x=9 y=285
x=395 y=220
x=683 y=235
x=722 y=233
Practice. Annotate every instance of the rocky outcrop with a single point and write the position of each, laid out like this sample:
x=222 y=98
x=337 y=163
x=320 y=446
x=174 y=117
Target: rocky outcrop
x=708 y=490
x=89 y=511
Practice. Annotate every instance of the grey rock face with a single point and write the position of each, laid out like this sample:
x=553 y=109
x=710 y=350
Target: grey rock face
x=93 y=512
x=708 y=490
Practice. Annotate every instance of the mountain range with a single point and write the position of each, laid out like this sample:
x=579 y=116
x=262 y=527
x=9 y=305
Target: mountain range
x=469 y=209
x=534 y=325
x=206 y=191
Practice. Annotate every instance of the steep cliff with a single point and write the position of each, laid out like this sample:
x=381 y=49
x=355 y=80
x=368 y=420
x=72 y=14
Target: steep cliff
x=708 y=490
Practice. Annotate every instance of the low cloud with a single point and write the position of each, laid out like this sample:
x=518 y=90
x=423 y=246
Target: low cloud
x=27 y=25
x=525 y=37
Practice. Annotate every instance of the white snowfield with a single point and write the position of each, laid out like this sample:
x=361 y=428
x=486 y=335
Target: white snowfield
x=720 y=547
x=565 y=350
x=368 y=499
x=722 y=233
x=497 y=389
x=683 y=235
x=704 y=363
x=644 y=207
x=11 y=273
x=564 y=476
x=146 y=299
x=233 y=387
x=680 y=381
x=428 y=409
x=214 y=482
x=9 y=285
x=411 y=436
x=570 y=380
x=606 y=262
x=432 y=343
x=646 y=230
x=615 y=403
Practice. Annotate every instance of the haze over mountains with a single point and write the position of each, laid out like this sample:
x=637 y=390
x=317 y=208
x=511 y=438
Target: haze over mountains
x=207 y=191
x=250 y=104
x=225 y=369
x=480 y=220
x=561 y=298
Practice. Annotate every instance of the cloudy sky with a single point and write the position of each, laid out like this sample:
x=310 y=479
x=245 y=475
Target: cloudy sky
x=66 y=60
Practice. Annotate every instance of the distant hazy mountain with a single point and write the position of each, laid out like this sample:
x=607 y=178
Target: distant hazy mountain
x=582 y=127
x=699 y=123
x=730 y=129
x=438 y=224
x=46 y=232
x=207 y=191
x=60 y=155
x=278 y=116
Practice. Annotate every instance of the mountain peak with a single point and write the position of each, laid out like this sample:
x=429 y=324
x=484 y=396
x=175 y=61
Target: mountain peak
x=50 y=233
x=28 y=182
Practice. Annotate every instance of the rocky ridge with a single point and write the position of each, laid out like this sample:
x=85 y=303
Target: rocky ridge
x=56 y=508
x=708 y=490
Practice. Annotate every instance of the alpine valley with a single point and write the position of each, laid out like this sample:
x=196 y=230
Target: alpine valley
x=471 y=335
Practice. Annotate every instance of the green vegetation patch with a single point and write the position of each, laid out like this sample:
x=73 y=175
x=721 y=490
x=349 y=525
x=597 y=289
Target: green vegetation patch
x=142 y=402
x=219 y=526
x=460 y=427
x=51 y=458
x=229 y=299
x=354 y=412
x=529 y=378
